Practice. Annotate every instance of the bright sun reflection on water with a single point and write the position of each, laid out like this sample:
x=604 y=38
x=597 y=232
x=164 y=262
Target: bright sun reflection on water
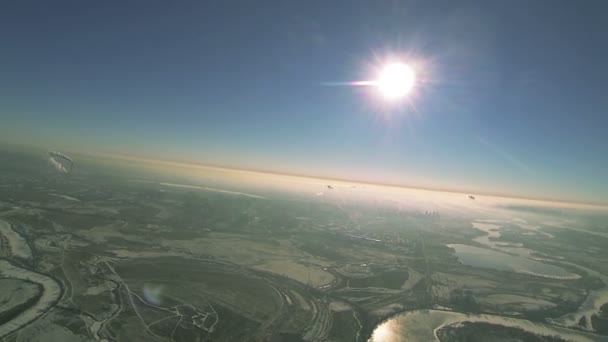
x=386 y=332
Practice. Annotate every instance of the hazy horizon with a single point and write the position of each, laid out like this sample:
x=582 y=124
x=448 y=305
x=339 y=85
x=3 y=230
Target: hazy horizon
x=136 y=161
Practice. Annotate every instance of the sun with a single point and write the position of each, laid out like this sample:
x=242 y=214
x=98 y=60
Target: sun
x=395 y=83
x=395 y=80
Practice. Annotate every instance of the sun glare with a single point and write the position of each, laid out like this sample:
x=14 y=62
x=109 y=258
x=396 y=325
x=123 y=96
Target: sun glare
x=395 y=80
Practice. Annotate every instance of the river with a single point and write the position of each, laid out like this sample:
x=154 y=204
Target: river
x=51 y=290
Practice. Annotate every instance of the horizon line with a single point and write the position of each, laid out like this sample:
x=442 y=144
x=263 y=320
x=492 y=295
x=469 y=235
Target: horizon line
x=597 y=205
x=118 y=156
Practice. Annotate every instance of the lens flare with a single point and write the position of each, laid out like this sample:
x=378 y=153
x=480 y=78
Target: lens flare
x=153 y=293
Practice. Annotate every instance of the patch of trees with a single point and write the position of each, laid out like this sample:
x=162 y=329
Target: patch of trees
x=464 y=300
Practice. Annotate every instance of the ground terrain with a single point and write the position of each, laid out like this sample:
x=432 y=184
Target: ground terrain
x=120 y=251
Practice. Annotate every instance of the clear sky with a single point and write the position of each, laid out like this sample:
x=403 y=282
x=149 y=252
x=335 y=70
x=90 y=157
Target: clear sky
x=511 y=98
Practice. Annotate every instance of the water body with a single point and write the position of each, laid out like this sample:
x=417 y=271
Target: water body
x=17 y=244
x=487 y=258
x=493 y=233
x=590 y=306
x=594 y=300
x=51 y=291
x=422 y=325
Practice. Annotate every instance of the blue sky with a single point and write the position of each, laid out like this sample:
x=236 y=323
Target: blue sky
x=513 y=98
